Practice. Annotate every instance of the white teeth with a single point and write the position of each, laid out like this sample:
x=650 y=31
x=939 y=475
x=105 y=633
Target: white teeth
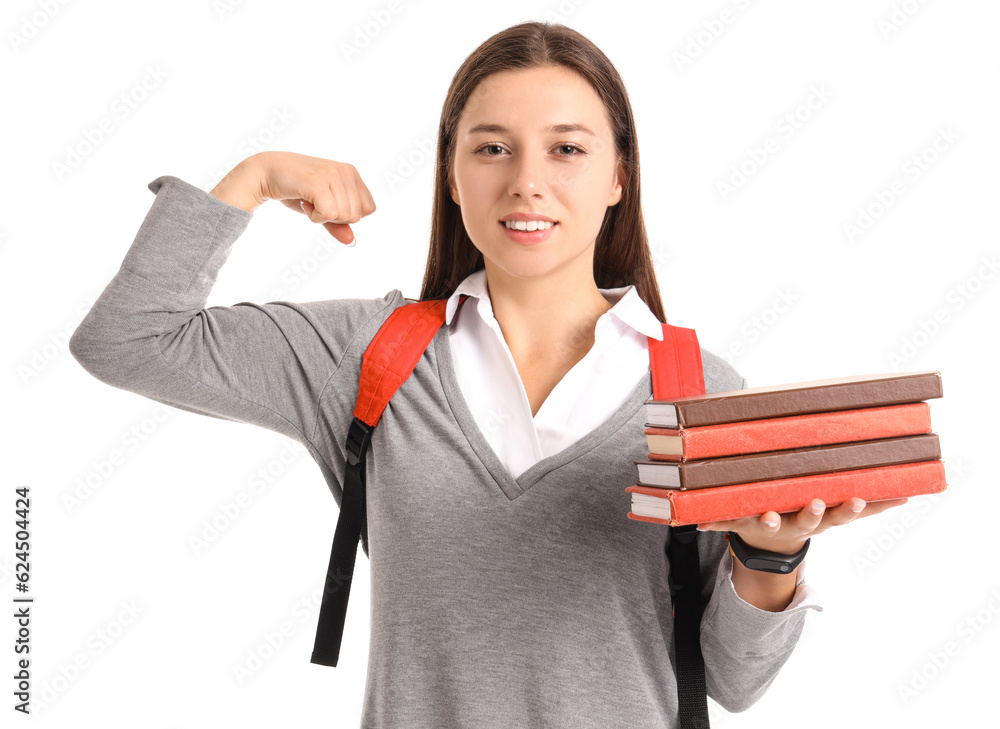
x=528 y=225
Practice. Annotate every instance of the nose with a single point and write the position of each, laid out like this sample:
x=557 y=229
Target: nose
x=528 y=177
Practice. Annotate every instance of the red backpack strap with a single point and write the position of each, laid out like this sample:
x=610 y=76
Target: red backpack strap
x=393 y=354
x=390 y=358
x=675 y=362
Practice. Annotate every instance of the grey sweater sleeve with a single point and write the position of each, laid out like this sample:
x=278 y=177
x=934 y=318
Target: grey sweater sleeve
x=263 y=364
x=744 y=647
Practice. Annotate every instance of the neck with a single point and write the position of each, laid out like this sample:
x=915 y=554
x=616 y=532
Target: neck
x=546 y=319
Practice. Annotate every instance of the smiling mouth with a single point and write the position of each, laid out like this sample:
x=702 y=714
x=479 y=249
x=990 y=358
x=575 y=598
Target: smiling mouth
x=527 y=225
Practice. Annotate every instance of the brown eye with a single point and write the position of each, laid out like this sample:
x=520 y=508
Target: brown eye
x=481 y=149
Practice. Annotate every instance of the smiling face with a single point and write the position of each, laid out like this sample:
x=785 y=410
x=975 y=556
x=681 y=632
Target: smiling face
x=535 y=142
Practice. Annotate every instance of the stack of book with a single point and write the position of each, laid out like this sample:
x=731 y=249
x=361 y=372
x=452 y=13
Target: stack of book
x=735 y=454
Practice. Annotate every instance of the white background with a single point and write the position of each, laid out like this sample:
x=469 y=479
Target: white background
x=219 y=79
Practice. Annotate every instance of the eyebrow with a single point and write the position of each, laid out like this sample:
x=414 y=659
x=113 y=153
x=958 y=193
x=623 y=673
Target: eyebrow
x=556 y=128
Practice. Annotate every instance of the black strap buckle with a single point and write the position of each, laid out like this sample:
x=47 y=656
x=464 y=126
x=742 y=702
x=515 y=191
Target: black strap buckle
x=358 y=437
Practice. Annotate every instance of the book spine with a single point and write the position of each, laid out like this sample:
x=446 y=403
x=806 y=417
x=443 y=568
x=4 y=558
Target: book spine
x=845 y=396
x=801 y=431
x=766 y=466
x=793 y=494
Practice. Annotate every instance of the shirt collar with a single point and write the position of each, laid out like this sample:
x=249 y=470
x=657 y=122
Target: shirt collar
x=629 y=308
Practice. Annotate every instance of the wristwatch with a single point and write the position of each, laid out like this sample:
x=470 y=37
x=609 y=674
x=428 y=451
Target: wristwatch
x=762 y=560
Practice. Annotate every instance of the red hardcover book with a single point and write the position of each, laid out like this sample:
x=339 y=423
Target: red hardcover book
x=796 y=431
x=783 y=495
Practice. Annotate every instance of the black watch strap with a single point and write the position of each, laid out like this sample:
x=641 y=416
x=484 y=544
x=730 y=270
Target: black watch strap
x=762 y=560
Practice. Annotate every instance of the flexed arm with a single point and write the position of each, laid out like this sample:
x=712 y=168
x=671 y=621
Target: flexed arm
x=150 y=333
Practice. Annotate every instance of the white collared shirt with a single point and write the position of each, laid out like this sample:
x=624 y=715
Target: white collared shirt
x=585 y=397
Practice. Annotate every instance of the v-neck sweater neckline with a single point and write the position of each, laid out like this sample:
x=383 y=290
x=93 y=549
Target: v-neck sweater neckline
x=511 y=486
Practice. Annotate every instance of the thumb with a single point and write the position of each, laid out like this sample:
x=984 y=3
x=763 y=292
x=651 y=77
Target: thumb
x=340 y=231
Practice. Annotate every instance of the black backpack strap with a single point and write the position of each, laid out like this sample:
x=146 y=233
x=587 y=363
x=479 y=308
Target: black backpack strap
x=685 y=589
x=351 y=525
x=388 y=361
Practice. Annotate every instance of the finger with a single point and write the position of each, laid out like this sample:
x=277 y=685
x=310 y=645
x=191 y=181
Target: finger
x=353 y=200
x=293 y=203
x=367 y=201
x=342 y=232
x=364 y=195
x=330 y=204
x=877 y=507
x=341 y=192
x=808 y=518
x=730 y=525
x=769 y=521
x=844 y=513
x=321 y=207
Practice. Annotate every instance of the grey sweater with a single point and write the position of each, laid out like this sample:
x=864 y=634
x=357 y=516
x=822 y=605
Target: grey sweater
x=496 y=601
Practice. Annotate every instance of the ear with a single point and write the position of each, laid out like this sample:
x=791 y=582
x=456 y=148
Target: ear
x=454 y=191
x=616 y=191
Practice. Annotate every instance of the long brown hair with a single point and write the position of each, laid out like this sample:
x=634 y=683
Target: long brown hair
x=621 y=253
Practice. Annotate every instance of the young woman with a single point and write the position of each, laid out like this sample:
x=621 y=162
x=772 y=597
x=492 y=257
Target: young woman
x=508 y=588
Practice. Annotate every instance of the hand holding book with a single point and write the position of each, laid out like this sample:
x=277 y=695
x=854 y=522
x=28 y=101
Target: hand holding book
x=786 y=533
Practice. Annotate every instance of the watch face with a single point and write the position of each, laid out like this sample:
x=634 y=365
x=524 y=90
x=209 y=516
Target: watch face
x=768 y=565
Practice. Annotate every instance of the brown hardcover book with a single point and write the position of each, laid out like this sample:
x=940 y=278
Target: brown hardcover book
x=774 y=401
x=788 y=463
